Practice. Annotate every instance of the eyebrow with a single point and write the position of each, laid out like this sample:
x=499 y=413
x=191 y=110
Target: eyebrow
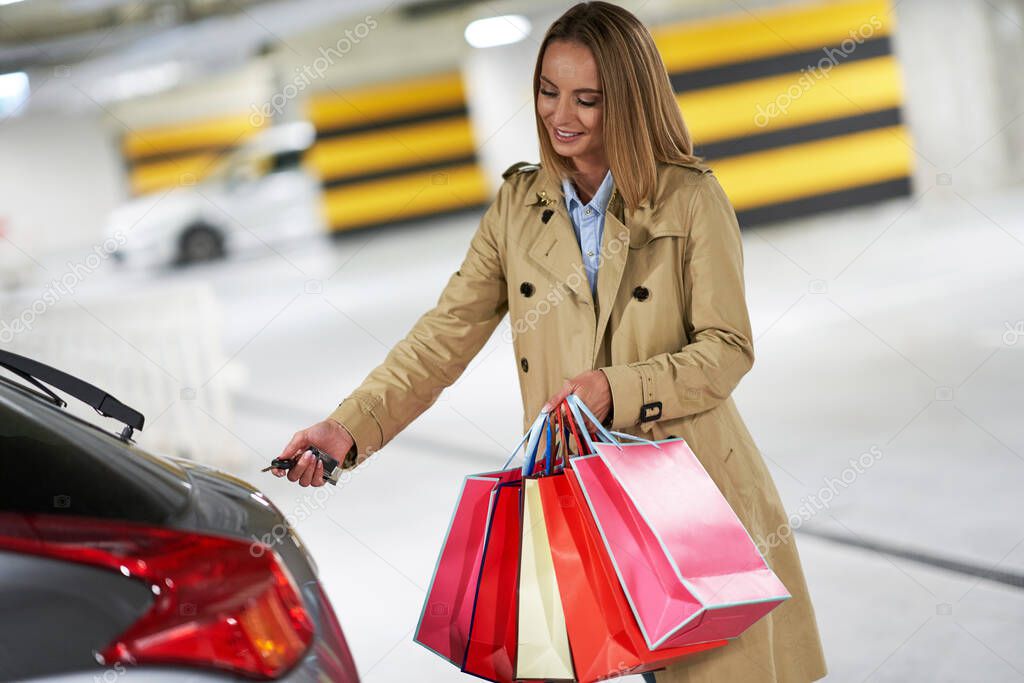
x=577 y=90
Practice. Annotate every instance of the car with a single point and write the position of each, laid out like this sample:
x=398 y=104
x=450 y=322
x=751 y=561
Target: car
x=116 y=560
x=258 y=194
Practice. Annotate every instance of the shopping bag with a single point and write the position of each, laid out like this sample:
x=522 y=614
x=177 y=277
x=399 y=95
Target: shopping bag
x=491 y=648
x=687 y=565
x=447 y=612
x=445 y=618
x=603 y=633
x=542 y=648
x=543 y=642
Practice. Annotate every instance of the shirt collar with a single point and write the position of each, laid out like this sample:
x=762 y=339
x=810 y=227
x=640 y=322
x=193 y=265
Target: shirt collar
x=599 y=202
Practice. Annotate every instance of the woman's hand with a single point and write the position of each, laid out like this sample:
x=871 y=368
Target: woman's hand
x=327 y=435
x=593 y=389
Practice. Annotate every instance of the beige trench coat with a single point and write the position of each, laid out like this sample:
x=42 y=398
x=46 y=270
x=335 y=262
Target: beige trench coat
x=670 y=330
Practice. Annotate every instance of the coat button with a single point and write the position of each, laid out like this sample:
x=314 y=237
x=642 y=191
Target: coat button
x=526 y=289
x=641 y=293
x=524 y=364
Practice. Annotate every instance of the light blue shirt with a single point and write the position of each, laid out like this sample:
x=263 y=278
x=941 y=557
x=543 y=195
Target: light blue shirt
x=588 y=223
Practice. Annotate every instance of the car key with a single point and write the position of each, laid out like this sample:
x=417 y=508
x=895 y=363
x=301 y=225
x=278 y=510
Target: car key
x=331 y=469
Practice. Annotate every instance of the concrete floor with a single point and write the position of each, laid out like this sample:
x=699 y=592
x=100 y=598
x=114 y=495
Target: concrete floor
x=887 y=331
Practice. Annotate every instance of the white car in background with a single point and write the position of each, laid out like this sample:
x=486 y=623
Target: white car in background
x=258 y=194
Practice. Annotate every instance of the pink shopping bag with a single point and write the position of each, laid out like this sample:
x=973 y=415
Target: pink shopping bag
x=689 y=569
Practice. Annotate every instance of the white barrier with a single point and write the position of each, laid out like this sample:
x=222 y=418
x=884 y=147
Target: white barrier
x=158 y=350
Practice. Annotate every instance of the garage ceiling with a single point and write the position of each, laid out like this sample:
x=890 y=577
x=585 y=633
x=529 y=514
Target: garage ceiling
x=175 y=41
x=28 y=21
x=34 y=32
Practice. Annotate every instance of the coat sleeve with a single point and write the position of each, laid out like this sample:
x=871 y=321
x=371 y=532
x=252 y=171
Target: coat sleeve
x=720 y=351
x=440 y=344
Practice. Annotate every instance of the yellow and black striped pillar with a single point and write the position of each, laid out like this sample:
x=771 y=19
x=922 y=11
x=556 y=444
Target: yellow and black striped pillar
x=396 y=151
x=182 y=153
x=797 y=109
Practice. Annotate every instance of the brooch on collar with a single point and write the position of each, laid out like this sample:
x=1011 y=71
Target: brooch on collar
x=543 y=199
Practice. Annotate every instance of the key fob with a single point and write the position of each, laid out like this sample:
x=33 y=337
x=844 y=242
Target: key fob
x=331 y=470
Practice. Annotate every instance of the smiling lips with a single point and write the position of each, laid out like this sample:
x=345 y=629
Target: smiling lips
x=565 y=136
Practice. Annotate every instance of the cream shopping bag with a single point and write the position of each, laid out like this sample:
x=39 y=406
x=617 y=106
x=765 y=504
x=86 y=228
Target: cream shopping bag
x=543 y=642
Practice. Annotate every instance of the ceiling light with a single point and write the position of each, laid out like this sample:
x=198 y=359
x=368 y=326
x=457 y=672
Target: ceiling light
x=503 y=30
x=13 y=91
x=138 y=82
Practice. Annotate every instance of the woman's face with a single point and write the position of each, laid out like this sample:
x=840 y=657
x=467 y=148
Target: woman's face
x=570 y=102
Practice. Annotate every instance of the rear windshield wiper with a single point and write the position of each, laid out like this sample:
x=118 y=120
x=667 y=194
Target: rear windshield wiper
x=102 y=402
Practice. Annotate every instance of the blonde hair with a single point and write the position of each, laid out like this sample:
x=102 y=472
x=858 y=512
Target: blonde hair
x=642 y=122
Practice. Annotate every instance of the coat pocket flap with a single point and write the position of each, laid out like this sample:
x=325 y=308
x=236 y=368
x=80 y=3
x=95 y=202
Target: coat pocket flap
x=640 y=238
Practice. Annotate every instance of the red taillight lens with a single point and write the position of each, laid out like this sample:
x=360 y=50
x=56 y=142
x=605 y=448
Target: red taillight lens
x=218 y=602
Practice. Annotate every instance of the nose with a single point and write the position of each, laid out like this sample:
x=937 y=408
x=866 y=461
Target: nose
x=564 y=116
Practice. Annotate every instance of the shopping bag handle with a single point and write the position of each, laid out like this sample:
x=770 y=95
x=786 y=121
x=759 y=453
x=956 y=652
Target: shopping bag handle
x=576 y=404
x=634 y=438
x=576 y=425
x=563 y=409
x=564 y=424
x=527 y=438
x=532 y=441
x=561 y=447
x=549 y=452
x=542 y=424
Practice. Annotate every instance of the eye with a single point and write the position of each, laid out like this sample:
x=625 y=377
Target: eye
x=584 y=103
x=548 y=93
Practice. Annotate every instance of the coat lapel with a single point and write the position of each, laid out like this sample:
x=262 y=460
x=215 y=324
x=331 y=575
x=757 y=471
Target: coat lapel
x=614 y=254
x=554 y=247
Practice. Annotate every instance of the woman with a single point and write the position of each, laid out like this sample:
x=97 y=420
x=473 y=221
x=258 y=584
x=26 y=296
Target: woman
x=620 y=263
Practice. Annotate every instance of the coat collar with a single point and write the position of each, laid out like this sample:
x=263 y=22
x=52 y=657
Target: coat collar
x=548 y=190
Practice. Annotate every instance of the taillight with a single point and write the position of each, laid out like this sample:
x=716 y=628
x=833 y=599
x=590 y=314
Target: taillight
x=217 y=604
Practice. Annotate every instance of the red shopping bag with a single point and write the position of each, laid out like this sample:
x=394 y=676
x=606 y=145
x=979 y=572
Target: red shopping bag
x=444 y=622
x=447 y=613
x=468 y=615
x=493 y=636
x=686 y=563
x=491 y=650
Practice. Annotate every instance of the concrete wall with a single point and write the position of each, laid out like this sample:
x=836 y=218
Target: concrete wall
x=965 y=96
x=59 y=178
